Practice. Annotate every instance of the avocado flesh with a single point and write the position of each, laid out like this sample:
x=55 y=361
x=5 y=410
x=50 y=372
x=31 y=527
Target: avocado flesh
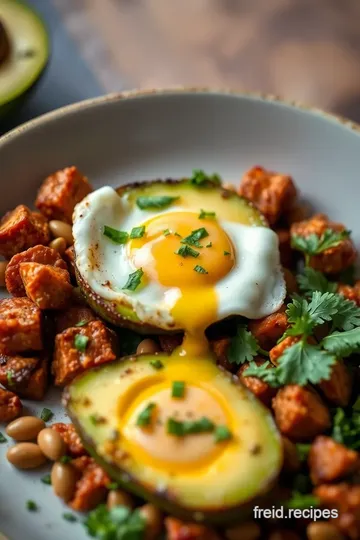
x=220 y=486
x=227 y=205
x=28 y=50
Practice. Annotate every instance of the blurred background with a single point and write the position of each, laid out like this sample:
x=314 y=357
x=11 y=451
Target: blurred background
x=306 y=50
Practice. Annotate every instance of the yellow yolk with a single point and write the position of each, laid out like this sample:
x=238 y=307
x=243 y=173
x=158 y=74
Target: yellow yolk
x=156 y=254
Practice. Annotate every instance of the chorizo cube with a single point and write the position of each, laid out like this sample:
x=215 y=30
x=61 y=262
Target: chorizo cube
x=91 y=488
x=268 y=330
x=10 y=406
x=60 y=192
x=69 y=257
x=72 y=440
x=272 y=193
x=350 y=292
x=20 y=326
x=338 y=388
x=37 y=254
x=180 y=530
x=15 y=371
x=220 y=348
x=346 y=499
x=279 y=349
x=73 y=316
x=48 y=287
x=80 y=348
x=329 y=461
x=286 y=252
x=299 y=413
x=21 y=229
x=261 y=389
x=332 y=260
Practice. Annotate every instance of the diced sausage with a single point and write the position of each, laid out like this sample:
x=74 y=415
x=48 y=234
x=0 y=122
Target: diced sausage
x=290 y=281
x=349 y=292
x=91 y=487
x=346 y=499
x=332 y=260
x=279 y=349
x=20 y=326
x=179 y=530
x=21 y=229
x=10 y=406
x=261 y=389
x=48 y=287
x=60 y=192
x=299 y=413
x=38 y=254
x=69 y=257
x=27 y=376
x=329 y=461
x=97 y=347
x=338 y=388
x=72 y=440
x=272 y=193
x=73 y=316
x=286 y=252
x=268 y=330
x=220 y=348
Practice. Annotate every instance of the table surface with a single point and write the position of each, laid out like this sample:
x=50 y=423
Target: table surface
x=299 y=49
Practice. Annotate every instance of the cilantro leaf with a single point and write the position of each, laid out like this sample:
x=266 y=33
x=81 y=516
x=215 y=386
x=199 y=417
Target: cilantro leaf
x=322 y=307
x=303 y=363
x=156 y=201
x=119 y=523
x=200 y=178
x=342 y=343
x=263 y=373
x=301 y=500
x=187 y=251
x=346 y=428
x=298 y=317
x=137 y=232
x=348 y=314
x=134 y=280
x=243 y=346
x=311 y=280
x=195 y=236
x=206 y=215
x=118 y=237
x=314 y=244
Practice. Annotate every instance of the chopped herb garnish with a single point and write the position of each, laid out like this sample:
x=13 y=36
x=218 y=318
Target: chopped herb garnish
x=206 y=215
x=222 y=433
x=209 y=245
x=195 y=236
x=200 y=269
x=9 y=378
x=303 y=450
x=137 y=232
x=144 y=418
x=82 y=323
x=31 y=506
x=134 y=280
x=300 y=500
x=346 y=428
x=118 y=237
x=180 y=429
x=81 y=342
x=46 y=414
x=177 y=234
x=2 y=438
x=167 y=232
x=178 y=389
x=113 y=485
x=200 y=178
x=187 y=251
x=156 y=364
x=159 y=201
x=69 y=517
x=46 y=479
x=118 y=523
x=95 y=419
x=227 y=253
x=65 y=459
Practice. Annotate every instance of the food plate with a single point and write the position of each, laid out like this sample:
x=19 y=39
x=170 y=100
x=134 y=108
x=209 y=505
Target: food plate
x=145 y=135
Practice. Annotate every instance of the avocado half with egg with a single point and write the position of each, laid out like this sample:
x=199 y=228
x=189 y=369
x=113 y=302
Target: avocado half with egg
x=184 y=435
x=110 y=301
x=24 y=51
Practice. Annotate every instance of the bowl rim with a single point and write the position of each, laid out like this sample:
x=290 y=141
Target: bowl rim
x=113 y=97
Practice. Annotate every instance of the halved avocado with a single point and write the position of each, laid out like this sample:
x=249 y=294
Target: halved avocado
x=193 y=475
x=24 y=50
x=227 y=205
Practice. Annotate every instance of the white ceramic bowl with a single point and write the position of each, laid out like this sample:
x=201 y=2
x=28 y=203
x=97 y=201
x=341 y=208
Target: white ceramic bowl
x=143 y=135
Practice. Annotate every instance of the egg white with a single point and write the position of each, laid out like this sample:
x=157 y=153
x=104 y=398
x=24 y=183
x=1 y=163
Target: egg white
x=253 y=288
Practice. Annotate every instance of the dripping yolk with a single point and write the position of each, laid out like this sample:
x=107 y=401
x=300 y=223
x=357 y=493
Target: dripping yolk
x=194 y=268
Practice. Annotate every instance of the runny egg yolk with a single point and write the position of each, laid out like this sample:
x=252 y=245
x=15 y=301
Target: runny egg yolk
x=194 y=272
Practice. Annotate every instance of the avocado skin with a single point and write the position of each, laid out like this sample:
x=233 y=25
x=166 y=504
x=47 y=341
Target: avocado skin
x=165 y=500
x=105 y=308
